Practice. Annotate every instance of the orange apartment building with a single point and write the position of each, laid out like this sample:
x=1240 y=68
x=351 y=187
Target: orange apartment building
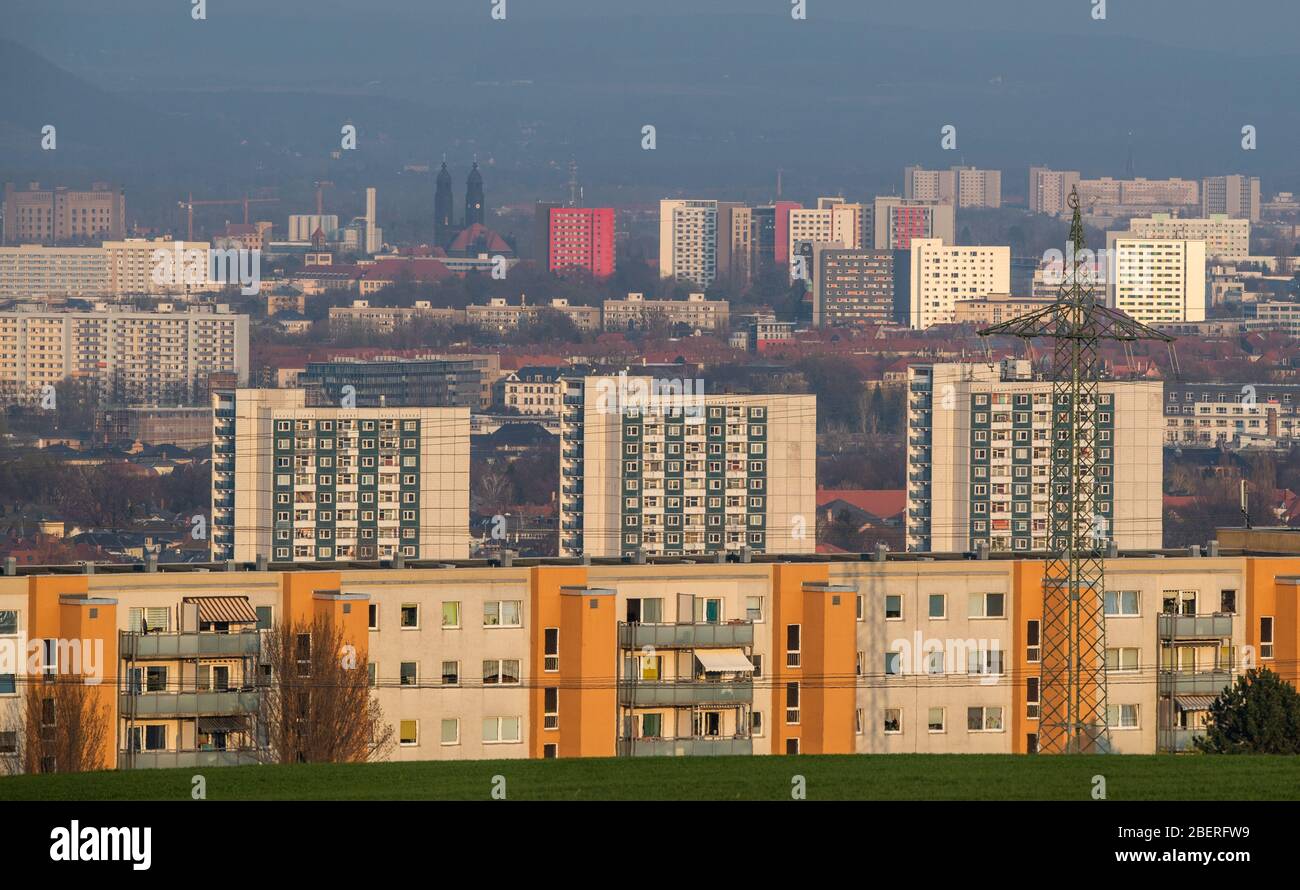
x=914 y=653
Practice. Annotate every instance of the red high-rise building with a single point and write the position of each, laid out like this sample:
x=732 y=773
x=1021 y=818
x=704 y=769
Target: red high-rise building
x=582 y=238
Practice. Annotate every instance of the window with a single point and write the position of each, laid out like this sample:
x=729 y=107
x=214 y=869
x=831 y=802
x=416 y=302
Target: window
x=893 y=663
x=648 y=610
x=756 y=723
x=374 y=616
x=8 y=684
x=500 y=730
x=893 y=722
x=984 y=661
x=986 y=605
x=754 y=609
x=409 y=733
x=302 y=653
x=893 y=607
x=410 y=616
x=984 y=719
x=934 y=722
x=1266 y=636
x=501 y=672
x=265 y=617
x=1031 y=698
x=1033 y=641
x=1122 y=716
x=551 y=707
x=651 y=726
x=1122 y=603
x=372 y=674
x=450 y=731
x=934 y=662
x=501 y=613
x=8 y=742
x=1228 y=602
x=938 y=605
x=451 y=614
x=8 y=622
x=791 y=703
x=410 y=674
x=792 y=651
x=1126 y=659
x=451 y=673
x=551 y=656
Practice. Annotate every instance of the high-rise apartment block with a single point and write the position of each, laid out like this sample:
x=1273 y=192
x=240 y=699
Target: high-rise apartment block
x=129 y=356
x=1225 y=237
x=394 y=383
x=54 y=216
x=581 y=238
x=736 y=240
x=832 y=222
x=293 y=483
x=658 y=467
x=1108 y=196
x=896 y=221
x=1156 y=280
x=960 y=186
x=941 y=276
x=1235 y=195
x=1049 y=189
x=853 y=286
x=981 y=443
x=688 y=241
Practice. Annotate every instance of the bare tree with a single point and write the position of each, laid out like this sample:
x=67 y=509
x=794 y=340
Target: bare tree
x=65 y=725
x=318 y=707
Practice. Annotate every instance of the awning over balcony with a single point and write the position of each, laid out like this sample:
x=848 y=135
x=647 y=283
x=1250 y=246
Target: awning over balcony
x=1194 y=702
x=224 y=609
x=222 y=724
x=724 y=660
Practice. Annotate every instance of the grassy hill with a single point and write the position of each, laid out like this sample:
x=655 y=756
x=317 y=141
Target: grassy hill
x=889 y=777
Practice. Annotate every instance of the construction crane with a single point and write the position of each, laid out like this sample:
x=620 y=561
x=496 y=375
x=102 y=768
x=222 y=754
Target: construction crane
x=191 y=204
x=1072 y=686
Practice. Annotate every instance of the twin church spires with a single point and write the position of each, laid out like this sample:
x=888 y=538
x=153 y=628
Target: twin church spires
x=444 y=228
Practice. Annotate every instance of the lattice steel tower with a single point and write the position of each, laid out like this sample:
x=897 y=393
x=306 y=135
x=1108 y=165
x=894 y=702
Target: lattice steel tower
x=1072 y=687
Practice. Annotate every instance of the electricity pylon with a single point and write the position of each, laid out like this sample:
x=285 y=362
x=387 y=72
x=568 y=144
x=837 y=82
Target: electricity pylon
x=1072 y=686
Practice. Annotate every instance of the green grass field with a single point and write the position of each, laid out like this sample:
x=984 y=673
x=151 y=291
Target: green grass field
x=863 y=777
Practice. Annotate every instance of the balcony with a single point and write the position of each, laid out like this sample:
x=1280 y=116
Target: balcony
x=188 y=704
x=1209 y=682
x=186 y=759
x=1194 y=627
x=684 y=693
x=1179 y=739
x=189 y=645
x=686 y=636
x=698 y=746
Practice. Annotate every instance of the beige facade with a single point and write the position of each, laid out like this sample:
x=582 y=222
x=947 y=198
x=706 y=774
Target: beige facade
x=1049 y=190
x=635 y=312
x=49 y=216
x=961 y=186
x=688 y=241
x=130 y=356
x=995 y=309
x=293 y=483
x=942 y=276
x=33 y=270
x=1225 y=238
x=659 y=467
x=1156 y=280
x=979 y=459
x=498 y=315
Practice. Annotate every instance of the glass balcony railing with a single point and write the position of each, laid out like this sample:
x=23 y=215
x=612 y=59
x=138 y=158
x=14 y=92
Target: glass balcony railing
x=187 y=759
x=683 y=693
x=700 y=746
x=1209 y=682
x=686 y=636
x=1194 y=627
x=189 y=645
x=191 y=704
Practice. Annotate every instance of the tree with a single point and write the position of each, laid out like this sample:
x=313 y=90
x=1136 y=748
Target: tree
x=1258 y=714
x=65 y=726
x=318 y=707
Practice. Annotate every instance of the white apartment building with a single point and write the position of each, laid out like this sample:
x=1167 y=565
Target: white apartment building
x=833 y=223
x=1156 y=280
x=1234 y=195
x=688 y=241
x=1106 y=195
x=33 y=270
x=131 y=356
x=942 y=276
x=159 y=266
x=1225 y=237
x=1049 y=189
x=648 y=465
x=961 y=186
x=980 y=450
x=300 y=484
x=635 y=312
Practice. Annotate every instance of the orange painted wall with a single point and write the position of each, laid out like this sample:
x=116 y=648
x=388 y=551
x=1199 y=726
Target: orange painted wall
x=1264 y=596
x=588 y=709
x=1026 y=606
x=828 y=659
